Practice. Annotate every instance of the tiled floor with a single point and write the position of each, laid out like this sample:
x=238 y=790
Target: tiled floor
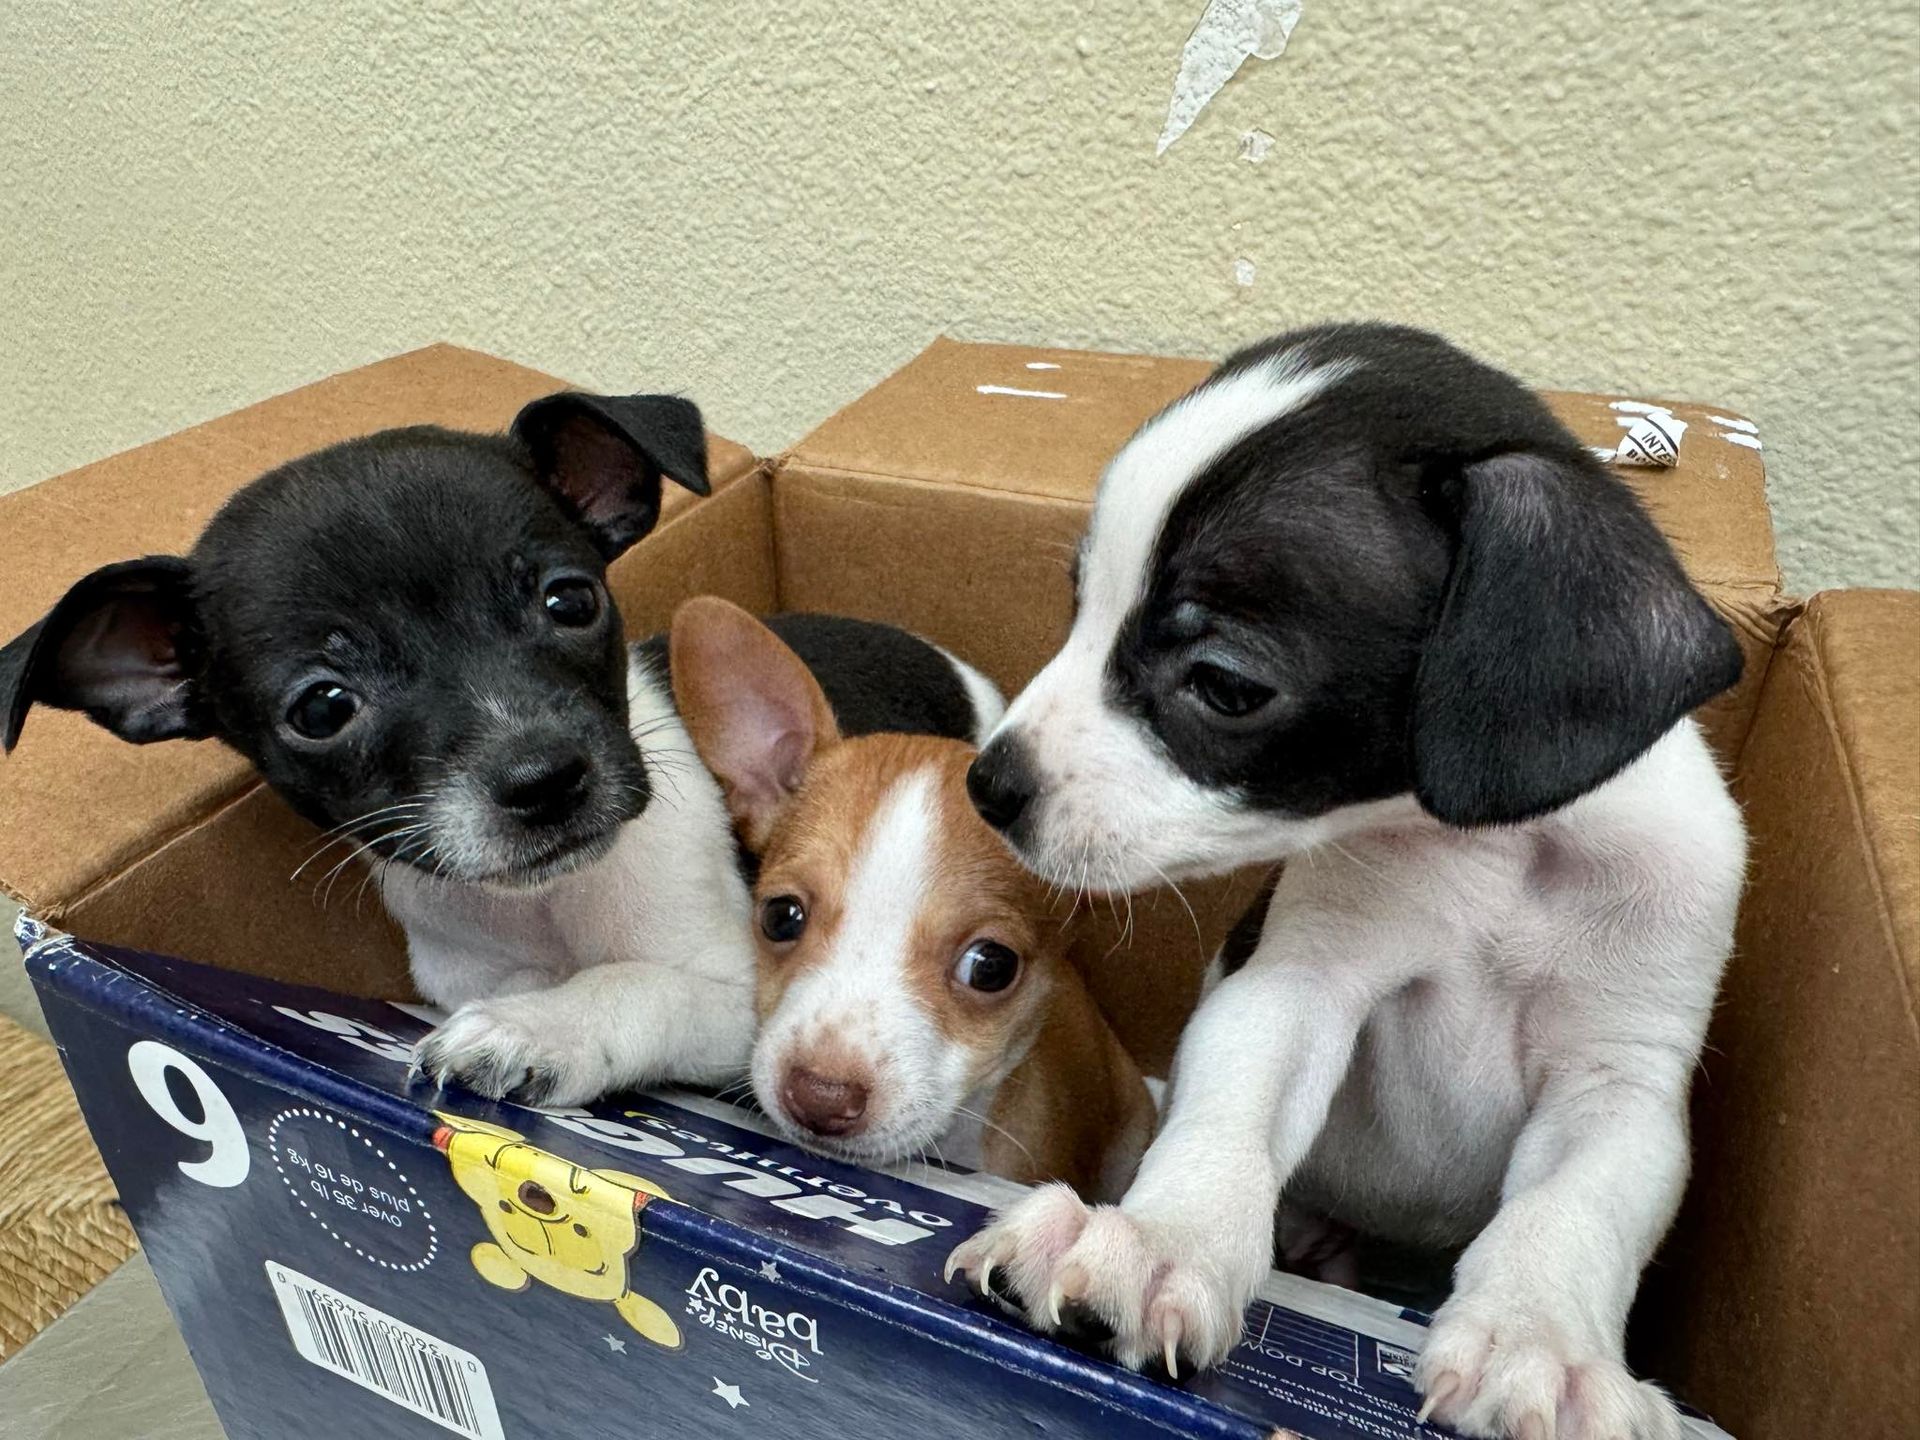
x=112 y=1368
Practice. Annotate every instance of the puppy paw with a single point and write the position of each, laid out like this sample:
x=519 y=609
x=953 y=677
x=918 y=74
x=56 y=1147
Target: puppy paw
x=1022 y=1245
x=1153 y=1287
x=1517 y=1375
x=514 y=1045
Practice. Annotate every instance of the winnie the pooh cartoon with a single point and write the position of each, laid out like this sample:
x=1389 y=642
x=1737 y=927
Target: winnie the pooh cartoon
x=553 y=1221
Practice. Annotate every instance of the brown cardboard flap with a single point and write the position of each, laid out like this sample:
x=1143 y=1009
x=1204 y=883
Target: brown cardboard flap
x=982 y=573
x=1045 y=422
x=1784 y=1301
x=229 y=891
x=1870 y=640
x=78 y=805
x=1000 y=417
x=723 y=546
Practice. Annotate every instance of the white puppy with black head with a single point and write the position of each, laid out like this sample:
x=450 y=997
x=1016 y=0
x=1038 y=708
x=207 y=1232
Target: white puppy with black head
x=1362 y=600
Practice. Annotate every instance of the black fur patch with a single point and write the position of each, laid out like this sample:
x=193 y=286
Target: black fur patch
x=1441 y=589
x=878 y=678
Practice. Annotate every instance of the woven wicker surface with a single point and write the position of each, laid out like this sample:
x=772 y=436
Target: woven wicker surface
x=61 y=1231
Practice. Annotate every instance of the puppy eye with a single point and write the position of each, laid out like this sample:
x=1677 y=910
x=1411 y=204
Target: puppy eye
x=987 y=966
x=1226 y=693
x=782 y=919
x=322 y=710
x=572 y=602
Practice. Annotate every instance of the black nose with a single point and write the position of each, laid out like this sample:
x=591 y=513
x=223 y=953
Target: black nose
x=544 y=789
x=1000 y=782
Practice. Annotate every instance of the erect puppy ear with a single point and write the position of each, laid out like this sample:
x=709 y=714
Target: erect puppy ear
x=1569 y=641
x=603 y=455
x=118 y=646
x=756 y=714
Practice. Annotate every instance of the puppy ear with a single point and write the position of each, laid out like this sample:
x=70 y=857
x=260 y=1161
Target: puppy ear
x=113 y=648
x=603 y=455
x=1569 y=641
x=756 y=714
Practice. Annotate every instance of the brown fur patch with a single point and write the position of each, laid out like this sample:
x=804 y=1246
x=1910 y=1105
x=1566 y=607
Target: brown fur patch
x=1072 y=1106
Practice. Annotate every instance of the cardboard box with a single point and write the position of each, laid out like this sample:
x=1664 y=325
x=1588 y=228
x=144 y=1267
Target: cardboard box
x=338 y=1254
x=947 y=500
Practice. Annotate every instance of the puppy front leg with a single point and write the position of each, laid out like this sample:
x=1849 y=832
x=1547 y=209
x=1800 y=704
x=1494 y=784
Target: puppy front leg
x=1171 y=1269
x=1531 y=1342
x=608 y=1027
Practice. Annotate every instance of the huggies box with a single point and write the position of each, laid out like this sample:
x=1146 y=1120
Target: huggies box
x=341 y=1247
x=417 y=1277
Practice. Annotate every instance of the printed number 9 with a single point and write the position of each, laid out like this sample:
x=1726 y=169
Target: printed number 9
x=228 y=1162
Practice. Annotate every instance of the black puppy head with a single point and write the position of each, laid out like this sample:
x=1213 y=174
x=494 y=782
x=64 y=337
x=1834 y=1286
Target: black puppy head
x=409 y=634
x=1355 y=564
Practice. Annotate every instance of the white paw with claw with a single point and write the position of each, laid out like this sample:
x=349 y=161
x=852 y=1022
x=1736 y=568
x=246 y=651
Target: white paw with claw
x=1511 y=1373
x=514 y=1045
x=1153 y=1285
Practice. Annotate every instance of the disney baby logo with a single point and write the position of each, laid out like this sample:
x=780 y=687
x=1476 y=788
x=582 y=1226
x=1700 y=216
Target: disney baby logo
x=789 y=1338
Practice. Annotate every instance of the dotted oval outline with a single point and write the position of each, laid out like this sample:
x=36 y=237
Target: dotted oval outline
x=273 y=1148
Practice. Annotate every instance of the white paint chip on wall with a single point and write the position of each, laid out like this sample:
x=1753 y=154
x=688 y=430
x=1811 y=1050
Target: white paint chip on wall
x=1255 y=146
x=1229 y=31
x=1245 y=272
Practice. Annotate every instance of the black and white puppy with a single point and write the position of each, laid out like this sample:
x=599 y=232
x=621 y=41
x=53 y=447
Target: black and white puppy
x=1362 y=599
x=410 y=636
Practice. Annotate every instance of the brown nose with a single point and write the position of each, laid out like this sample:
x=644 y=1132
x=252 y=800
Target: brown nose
x=536 y=1198
x=823 y=1105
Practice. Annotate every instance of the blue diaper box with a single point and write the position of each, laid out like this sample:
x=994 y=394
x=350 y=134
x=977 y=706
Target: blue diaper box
x=348 y=1253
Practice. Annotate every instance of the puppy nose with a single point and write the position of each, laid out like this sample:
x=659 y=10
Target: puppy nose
x=543 y=789
x=1000 y=783
x=536 y=1198
x=822 y=1104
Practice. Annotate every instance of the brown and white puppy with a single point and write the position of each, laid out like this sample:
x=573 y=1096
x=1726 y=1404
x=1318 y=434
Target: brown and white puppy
x=917 y=991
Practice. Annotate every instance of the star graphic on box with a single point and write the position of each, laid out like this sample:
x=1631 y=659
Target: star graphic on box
x=729 y=1393
x=769 y=1271
x=615 y=1343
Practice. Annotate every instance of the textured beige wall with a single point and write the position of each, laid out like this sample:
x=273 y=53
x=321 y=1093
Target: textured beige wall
x=772 y=206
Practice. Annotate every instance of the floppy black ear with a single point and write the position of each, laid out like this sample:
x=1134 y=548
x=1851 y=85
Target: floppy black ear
x=113 y=648
x=604 y=456
x=1569 y=641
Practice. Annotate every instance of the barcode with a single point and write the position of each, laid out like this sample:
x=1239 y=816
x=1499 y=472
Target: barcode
x=419 y=1371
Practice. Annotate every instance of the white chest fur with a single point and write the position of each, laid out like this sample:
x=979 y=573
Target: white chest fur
x=1503 y=960
x=668 y=892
